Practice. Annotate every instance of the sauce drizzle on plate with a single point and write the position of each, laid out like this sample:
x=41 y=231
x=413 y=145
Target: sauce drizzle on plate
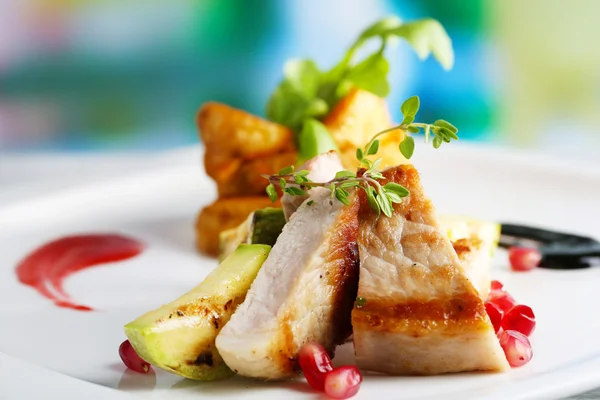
x=45 y=268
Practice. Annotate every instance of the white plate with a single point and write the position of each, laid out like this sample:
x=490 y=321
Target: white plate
x=159 y=207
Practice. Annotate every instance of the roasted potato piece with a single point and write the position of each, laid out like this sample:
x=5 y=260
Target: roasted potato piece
x=355 y=119
x=247 y=181
x=224 y=214
x=240 y=146
x=240 y=134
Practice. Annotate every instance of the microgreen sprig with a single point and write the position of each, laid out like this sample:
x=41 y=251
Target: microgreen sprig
x=307 y=93
x=441 y=130
x=380 y=197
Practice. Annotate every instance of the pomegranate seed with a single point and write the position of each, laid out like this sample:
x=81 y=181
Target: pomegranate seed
x=516 y=347
x=521 y=319
x=502 y=299
x=496 y=285
x=315 y=364
x=131 y=359
x=495 y=314
x=523 y=258
x=343 y=382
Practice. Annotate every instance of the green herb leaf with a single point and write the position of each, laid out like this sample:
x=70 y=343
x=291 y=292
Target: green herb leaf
x=373 y=148
x=392 y=187
x=349 y=184
x=341 y=196
x=437 y=141
x=410 y=107
x=407 y=147
x=446 y=125
x=314 y=139
x=282 y=183
x=345 y=174
x=317 y=108
x=376 y=175
x=380 y=28
x=359 y=154
x=428 y=36
x=303 y=76
x=271 y=192
x=310 y=203
x=332 y=188
x=371 y=75
x=287 y=170
x=370 y=192
x=294 y=191
x=376 y=164
x=413 y=129
x=303 y=172
x=409 y=119
x=385 y=204
x=394 y=198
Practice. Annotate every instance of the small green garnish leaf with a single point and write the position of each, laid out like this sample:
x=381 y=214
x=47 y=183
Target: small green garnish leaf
x=342 y=196
x=303 y=76
x=299 y=179
x=370 y=192
x=410 y=107
x=314 y=139
x=376 y=175
x=287 y=170
x=349 y=184
x=359 y=154
x=360 y=301
x=373 y=148
x=379 y=28
x=384 y=203
x=282 y=183
x=407 y=147
x=345 y=174
x=392 y=187
x=371 y=75
x=294 y=191
x=446 y=125
x=272 y=192
x=437 y=141
x=310 y=203
x=428 y=36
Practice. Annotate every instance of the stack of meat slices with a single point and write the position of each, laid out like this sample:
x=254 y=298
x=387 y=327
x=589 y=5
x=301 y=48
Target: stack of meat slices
x=418 y=313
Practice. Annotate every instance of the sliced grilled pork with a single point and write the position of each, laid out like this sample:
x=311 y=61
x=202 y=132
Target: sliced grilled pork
x=303 y=292
x=322 y=169
x=417 y=312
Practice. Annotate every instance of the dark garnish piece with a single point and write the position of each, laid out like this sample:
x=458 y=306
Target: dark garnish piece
x=559 y=250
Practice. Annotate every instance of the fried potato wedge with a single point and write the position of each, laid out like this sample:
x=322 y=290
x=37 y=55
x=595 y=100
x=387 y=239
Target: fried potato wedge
x=224 y=214
x=247 y=181
x=240 y=146
x=355 y=119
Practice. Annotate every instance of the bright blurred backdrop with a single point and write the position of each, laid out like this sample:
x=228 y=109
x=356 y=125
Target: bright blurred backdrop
x=81 y=75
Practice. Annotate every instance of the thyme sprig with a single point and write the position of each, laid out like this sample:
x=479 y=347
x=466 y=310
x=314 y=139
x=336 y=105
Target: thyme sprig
x=380 y=197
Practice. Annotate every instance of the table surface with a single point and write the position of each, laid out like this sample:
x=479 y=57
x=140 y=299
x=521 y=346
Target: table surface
x=28 y=175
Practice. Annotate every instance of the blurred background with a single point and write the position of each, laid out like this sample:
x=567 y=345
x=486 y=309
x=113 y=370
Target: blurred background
x=83 y=76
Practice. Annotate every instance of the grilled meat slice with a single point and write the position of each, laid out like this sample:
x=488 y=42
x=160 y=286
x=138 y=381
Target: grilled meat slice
x=417 y=312
x=303 y=292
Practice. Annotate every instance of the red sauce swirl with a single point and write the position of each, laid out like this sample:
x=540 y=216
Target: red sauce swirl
x=45 y=268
